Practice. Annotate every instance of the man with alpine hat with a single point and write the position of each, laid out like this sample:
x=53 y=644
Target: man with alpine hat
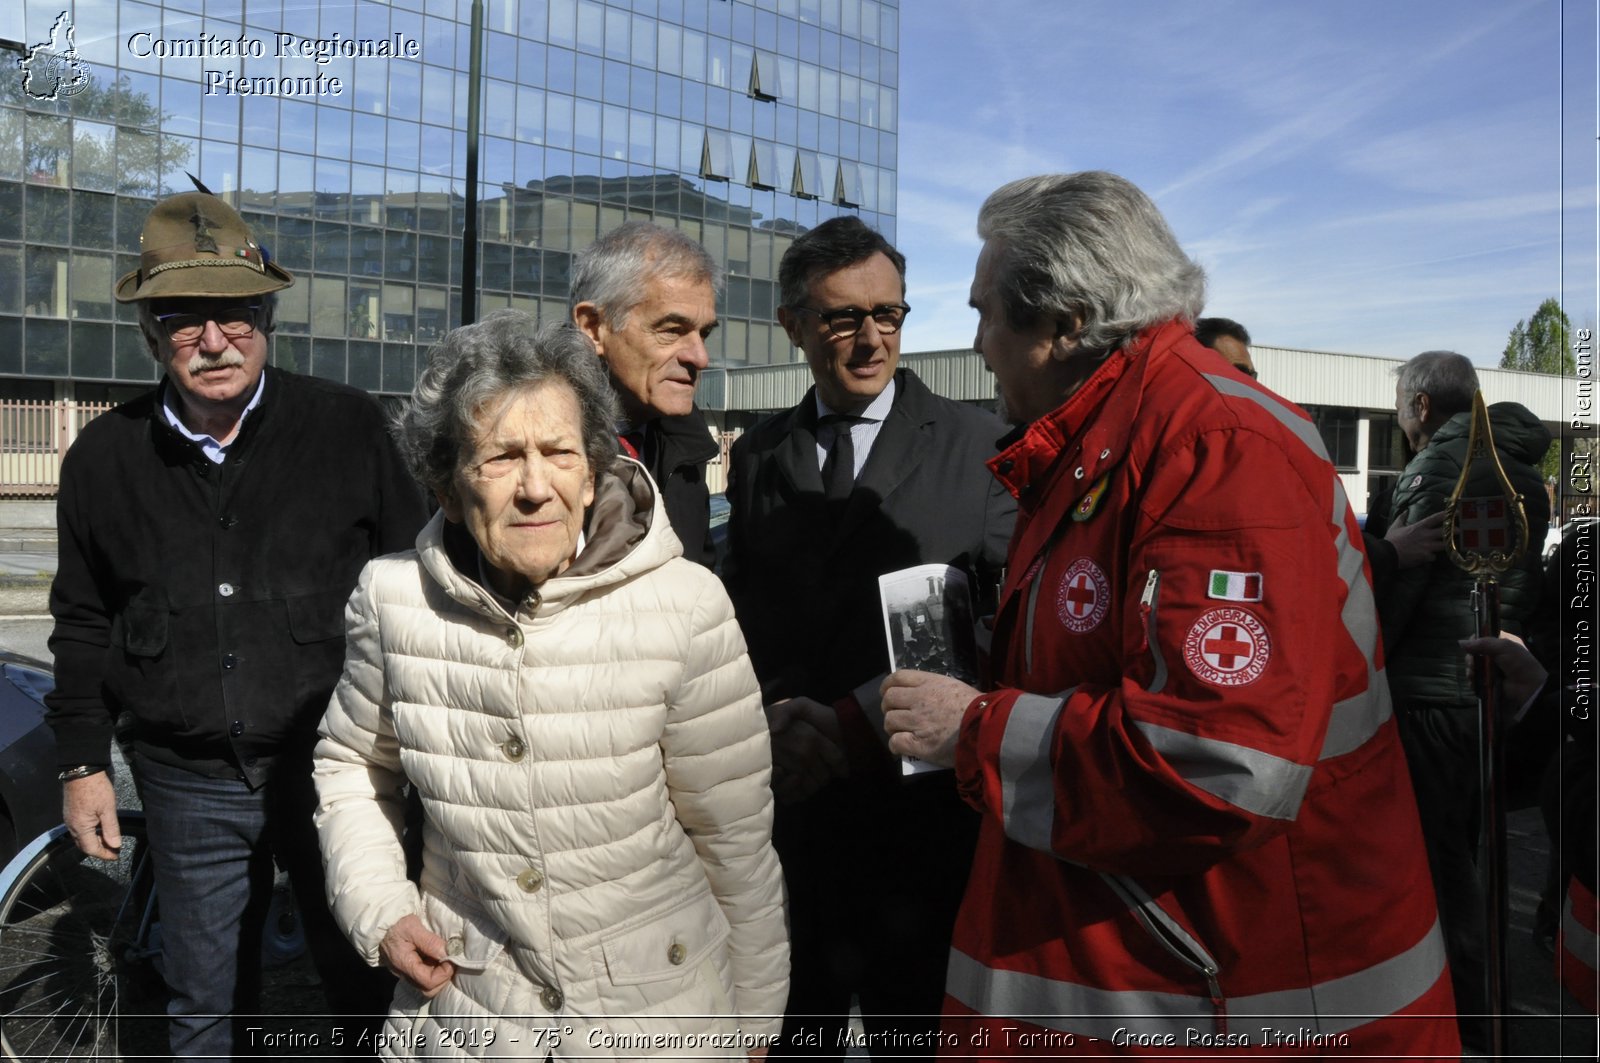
x=210 y=533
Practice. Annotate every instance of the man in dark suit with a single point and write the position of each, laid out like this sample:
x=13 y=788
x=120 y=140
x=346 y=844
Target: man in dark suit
x=647 y=297
x=869 y=474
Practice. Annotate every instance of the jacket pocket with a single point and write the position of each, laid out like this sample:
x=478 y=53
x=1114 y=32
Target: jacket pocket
x=141 y=629
x=141 y=674
x=472 y=938
x=669 y=945
x=316 y=617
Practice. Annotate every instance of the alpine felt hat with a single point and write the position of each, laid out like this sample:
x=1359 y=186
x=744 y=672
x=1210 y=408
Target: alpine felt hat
x=196 y=246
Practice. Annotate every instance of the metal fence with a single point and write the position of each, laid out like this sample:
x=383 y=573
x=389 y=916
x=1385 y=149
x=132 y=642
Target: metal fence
x=35 y=435
x=33 y=438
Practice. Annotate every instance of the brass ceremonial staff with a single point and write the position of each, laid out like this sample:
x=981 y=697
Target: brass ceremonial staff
x=1486 y=536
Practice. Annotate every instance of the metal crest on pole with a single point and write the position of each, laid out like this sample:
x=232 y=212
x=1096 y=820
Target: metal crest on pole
x=1486 y=535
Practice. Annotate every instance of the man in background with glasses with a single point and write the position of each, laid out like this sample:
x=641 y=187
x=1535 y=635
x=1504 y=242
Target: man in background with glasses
x=210 y=533
x=869 y=474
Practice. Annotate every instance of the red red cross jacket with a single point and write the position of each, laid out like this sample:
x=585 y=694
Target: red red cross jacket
x=1198 y=831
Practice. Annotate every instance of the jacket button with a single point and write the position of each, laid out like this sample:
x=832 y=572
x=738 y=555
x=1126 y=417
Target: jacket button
x=229 y=660
x=551 y=997
x=514 y=636
x=455 y=946
x=236 y=729
x=225 y=589
x=513 y=748
x=227 y=521
x=530 y=880
x=676 y=954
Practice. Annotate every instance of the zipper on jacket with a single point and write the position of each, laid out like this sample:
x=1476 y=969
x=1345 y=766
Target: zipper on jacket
x=1035 y=580
x=1148 y=643
x=1173 y=938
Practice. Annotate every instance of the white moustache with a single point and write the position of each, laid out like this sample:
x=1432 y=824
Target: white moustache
x=199 y=363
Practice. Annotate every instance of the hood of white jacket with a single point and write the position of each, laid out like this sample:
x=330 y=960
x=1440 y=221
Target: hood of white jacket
x=626 y=534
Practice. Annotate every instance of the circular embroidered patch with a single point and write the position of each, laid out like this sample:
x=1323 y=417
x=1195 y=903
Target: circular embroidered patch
x=1085 y=596
x=1227 y=647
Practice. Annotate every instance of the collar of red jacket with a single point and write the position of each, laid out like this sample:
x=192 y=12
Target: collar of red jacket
x=1089 y=433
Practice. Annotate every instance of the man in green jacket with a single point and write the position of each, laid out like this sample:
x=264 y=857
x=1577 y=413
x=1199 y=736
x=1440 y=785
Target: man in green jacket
x=1426 y=611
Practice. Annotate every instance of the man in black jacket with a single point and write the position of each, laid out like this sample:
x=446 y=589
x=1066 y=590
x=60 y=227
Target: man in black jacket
x=211 y=531
x=869 y=474
x=647 y=297
x=1426 y=611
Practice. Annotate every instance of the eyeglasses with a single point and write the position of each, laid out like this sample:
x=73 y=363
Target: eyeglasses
x=846 y=321
x=235 y=322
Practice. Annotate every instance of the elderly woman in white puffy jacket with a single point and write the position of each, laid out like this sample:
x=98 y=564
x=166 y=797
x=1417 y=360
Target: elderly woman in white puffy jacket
x=572 y=701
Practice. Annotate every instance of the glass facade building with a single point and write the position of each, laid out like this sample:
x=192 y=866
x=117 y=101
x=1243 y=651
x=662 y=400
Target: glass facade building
x=339 y=129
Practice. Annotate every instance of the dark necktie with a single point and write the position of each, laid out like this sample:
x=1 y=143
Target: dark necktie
x=839 y=470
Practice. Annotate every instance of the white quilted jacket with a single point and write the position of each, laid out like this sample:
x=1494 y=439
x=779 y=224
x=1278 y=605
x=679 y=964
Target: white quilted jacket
x=595 y=778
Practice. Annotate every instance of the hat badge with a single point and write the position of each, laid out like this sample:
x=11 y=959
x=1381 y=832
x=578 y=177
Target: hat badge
x=203 y=240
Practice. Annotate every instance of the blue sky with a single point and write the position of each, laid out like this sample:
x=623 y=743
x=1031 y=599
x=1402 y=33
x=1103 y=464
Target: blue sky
x=1371 y=177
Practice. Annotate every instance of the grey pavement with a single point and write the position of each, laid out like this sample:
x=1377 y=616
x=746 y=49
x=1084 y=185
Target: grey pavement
x=27 y=557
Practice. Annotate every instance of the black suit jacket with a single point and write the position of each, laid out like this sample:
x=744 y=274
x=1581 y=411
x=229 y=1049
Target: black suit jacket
x=804 y=580
x=874 y=864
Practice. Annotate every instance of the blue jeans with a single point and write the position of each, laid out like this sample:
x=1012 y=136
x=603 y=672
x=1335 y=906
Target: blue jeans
x=213 y=843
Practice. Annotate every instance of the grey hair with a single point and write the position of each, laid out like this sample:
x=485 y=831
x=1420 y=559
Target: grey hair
x=1088 y=245
x=612 y=273
x=152 y=328
x=474 y=366
x=1447 y=378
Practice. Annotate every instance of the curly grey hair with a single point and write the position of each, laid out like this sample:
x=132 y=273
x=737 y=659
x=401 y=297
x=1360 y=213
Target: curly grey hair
x=1447 y=378
x=1088 y=245
x=613 y=272
x=476 y=365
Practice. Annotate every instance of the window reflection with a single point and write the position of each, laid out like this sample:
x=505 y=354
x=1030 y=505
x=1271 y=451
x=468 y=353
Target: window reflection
x=747 y=123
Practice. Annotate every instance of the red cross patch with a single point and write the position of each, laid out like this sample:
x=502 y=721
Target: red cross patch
x=1227 y=647
x=1084 y=598
x=1482 y=525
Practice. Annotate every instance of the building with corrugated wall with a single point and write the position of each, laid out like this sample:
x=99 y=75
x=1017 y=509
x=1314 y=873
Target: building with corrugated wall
x=1349 y=396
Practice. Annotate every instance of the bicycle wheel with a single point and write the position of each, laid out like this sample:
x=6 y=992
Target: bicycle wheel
x=78 y=952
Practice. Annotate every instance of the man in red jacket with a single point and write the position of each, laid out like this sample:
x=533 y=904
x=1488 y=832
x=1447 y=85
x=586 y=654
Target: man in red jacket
x=1197 y=830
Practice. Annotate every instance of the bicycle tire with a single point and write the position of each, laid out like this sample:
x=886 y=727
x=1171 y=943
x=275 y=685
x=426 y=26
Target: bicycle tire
x=79 y=977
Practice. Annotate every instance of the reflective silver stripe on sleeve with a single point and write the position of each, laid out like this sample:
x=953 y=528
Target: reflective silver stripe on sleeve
x=1068 y=1006
x=1246 y=778
x=1578 y=939
x=1355 y=719
x=1303 y=429
x=1027 y=783
x=1335 y=1006
x=1341 y=1004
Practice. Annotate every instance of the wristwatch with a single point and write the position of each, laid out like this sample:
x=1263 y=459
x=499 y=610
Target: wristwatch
x=82 y=771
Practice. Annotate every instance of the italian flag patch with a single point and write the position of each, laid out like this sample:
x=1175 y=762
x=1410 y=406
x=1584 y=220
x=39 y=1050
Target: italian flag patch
x=1235 y=586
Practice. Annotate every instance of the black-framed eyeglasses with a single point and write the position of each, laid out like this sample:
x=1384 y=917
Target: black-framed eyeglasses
x=236 y=322
x=846 y=321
